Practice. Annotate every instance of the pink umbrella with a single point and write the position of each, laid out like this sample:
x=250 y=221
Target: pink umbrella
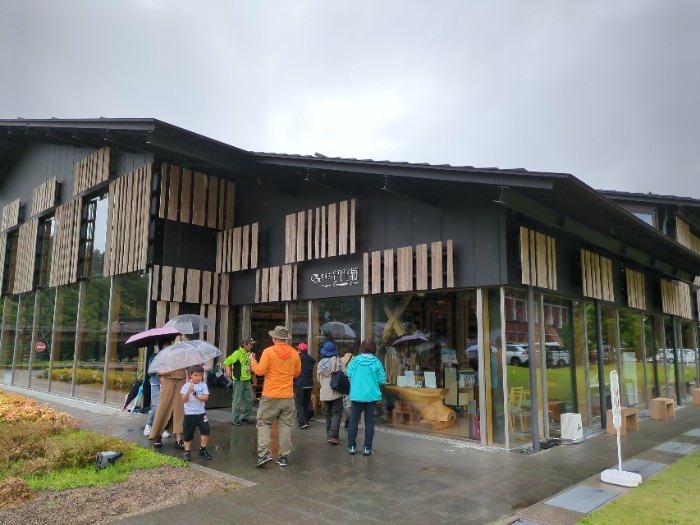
x=151 y=336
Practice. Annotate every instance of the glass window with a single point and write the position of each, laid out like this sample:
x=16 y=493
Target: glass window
x=93 y=236
x=25 y=325
x=666 y=358
x=41 y=352
x=45 y=234
x=299 y=322
x=129 y=316
x=8 y=276
x=580 y=361
x=9 y=323
x=336 y=320
x=92 y=335
x=632 y=392
x=686 y=359
x=64 y=338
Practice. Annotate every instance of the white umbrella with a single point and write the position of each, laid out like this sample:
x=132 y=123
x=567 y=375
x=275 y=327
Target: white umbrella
x=182 y=355
x=190 y=323
x=338 y=330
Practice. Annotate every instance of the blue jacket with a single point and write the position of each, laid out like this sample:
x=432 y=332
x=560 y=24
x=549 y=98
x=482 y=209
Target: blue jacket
x=366 y=373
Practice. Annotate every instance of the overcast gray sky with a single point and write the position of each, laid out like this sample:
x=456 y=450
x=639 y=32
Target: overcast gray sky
x=608 y=90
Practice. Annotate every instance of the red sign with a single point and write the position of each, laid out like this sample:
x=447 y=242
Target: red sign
x=40 y=346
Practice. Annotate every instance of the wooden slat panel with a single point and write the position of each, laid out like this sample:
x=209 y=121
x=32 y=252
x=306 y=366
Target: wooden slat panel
x=173 y=310
x=206 y=287
x=376 y=272
x=310 y=234
x=212 y=211
x=365 y=270
x=186 y=196
x=389 y=271
x=26 y=250
x=166 y=283
x=450 y=264
x=44 y=196
x=533 y=257
x=215 y=287
x=343 y=228
x=145 y=212
x=300 y=236
x=404 y=269
x=541 y=260
x=290 y=236
x=199 y=202
x=265 y=286
x=224 y=293
x=436 y=266
x=274 y=289
x=317 y=234
x=3 y=251
x=295 y=280
x=237 y=249
x=179 y=286
x=584 y=273
x=161 y=313
x=91 y=170
x=193 y=291
x=287 y=273
x=332 y=230
x=10 y=214
x=174 y=194
x=552 y=263
x=257 y=286
x=352 y=225
x=245 y=247
x=155 y=282
x=254 y=245
x=324 y=241
x=221 y=220
x=64 y=260
x=164 y=178
x=218 y=264
x=230 y=203
x=421 y=267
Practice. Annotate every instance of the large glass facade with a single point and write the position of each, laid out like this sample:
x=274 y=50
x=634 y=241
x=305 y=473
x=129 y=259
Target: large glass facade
x=518 y=356
x=9 y=326
x=64 y=339
x=632 y=357
x=129 y=316
x=41 y=349
x=23 y=350
x=686 y=358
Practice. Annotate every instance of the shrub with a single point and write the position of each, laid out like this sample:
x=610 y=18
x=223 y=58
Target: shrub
x=14 y=492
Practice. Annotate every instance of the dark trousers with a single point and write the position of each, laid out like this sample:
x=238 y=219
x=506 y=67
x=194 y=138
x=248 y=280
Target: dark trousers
x=302 y=402
x=334 y=411
x=357 y=408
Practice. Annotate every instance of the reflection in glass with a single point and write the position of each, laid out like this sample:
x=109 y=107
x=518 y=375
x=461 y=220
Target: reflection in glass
x=518 y=355
x=11 y=304
x=46 y=233
x=632 y=393
x=25 y=323
x=300 y=323
x=666 y=357
x=63 y=351
x=94 y=236
x=580 y=362
x=129 y=316
x=92 y=341
x=687 y=358
x=493 y=355
x=41 y=355
x=594 y=354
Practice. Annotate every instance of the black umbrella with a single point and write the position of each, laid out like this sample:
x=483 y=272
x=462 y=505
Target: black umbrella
x=135 y=391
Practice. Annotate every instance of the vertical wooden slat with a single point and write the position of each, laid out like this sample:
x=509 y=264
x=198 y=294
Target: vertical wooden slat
x=421 y=267
x=376 y=272
x=436 y=265
x=309 y=234
x=389 y=271
x=230 y=203
x=173 y=201
x=295 y=278
x=179 y=286
x=166 y=286
x=300 y=236
x=225 y=289
x=237 y=248
x=254 y=245
x=212 y=211
x=323 y=232
x=265 y=286
x=199 y=200
x=343 y=228
x=257 y=286
x=206 y=287
x=290 y=236
x=164 y=178
x=174 y=309
x=332 y=230
x=192 y=293
x=215 y=288
x=404 y=269
x=541 y=260
x=186 y=196
x=161 y=313
x=286 y=293
x=245 y=247
x=155 y=283
x=450 y=264
x=352 y=225
x=317 y=234
x=218 y=264
x=274 y=289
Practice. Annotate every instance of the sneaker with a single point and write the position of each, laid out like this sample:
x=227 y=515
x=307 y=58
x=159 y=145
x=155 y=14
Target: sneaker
x=263 y=460
x=187 y=456
x=236 y=423
x=334 y=441
x=312 y=419
x=368 y=451
x=352 y=449
x=304 y=425
x=158 y=443
x=180 y=444
x=204 y=453
x=146 y=430
x=248 y=420
x=282 y=461
x=165 y=434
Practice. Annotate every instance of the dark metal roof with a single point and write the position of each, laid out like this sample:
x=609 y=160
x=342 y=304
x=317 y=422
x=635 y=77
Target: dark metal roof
x=650 y=198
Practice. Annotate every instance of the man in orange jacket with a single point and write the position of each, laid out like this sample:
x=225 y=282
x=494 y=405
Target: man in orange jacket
x=280 y=364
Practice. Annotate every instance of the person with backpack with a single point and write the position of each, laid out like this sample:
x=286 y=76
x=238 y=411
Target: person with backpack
x=332 y=399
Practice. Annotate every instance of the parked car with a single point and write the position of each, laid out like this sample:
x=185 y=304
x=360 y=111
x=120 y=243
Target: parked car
x=688 y=356
x=556 y=355
x=517 y=354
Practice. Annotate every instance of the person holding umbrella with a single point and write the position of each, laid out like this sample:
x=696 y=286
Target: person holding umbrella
x=280 y=364
x=238 y=369
x=154 y=380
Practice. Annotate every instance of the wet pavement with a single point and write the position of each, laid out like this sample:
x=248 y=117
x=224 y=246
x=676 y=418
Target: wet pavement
x=410 y=479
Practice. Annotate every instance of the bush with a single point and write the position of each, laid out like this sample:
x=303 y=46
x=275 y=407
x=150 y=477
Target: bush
x=14 y=492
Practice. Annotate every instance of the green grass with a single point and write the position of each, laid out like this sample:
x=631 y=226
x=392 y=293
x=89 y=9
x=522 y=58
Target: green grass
x=134 y=459
x=668 y=498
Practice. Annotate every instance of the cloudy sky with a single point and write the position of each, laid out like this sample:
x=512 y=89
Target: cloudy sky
x=608 y=90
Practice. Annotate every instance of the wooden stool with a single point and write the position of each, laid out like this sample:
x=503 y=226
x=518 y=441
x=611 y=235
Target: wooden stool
x=628 y=421
x=662 y=408
x=696 y=396
x=402 y=413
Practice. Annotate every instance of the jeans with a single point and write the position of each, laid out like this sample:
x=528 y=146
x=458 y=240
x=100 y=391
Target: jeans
x=155 y=394
x=302 y=401
x=357 y=408
x=242 y=390
x=334 y=411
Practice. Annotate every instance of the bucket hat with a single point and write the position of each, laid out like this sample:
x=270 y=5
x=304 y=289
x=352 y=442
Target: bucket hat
x=280 y=332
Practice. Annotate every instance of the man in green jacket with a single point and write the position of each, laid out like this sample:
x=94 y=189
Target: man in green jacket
x=238 y=369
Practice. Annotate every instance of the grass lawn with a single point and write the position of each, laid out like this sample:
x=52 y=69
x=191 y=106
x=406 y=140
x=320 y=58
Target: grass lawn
x=668 y=498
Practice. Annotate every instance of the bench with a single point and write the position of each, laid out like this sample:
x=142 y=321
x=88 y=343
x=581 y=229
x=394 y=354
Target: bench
x=628 y=421
x=662 y=408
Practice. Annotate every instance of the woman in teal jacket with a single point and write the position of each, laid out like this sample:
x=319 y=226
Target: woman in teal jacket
x=366 y=373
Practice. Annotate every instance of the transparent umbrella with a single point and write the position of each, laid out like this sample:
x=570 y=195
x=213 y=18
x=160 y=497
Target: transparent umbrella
x=338 y=330
x=182 y=355
x=190 y=323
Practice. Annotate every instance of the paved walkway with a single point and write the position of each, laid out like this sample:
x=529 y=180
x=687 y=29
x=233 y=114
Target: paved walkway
x=410 y=479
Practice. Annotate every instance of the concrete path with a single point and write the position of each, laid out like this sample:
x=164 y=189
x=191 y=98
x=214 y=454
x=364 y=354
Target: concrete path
x=410 y=479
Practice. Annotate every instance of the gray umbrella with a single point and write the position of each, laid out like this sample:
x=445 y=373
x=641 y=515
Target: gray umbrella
x=190 y=323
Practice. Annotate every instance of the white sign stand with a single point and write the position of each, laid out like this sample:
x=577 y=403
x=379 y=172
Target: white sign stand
x=618 y=476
